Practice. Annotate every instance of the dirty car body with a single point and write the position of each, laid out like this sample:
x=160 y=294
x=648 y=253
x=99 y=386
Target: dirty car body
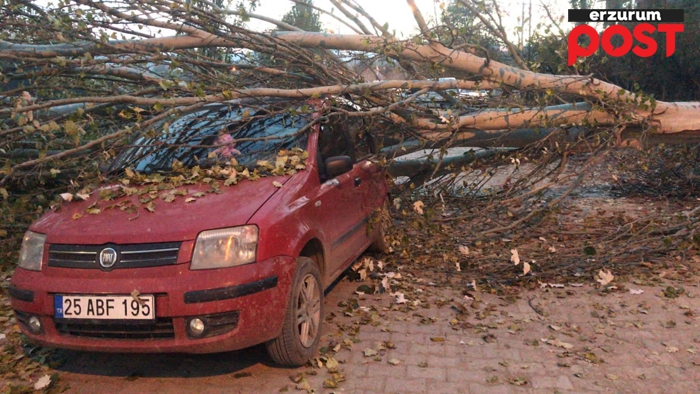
x=226 y=271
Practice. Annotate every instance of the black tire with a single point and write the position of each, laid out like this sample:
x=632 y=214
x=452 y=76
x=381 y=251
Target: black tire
x=298 y=343
x=383 y=223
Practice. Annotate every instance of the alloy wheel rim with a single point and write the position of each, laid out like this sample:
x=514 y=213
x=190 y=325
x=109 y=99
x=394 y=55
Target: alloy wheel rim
x=308 y=311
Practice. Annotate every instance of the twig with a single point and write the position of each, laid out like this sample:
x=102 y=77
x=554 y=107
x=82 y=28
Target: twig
x=534 y=308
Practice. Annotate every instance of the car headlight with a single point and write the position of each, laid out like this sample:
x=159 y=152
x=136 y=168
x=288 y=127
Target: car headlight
x=32 y=251
x=226 y=247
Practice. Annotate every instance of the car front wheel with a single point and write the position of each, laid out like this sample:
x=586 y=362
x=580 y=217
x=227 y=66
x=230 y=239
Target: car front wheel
x=301 y=330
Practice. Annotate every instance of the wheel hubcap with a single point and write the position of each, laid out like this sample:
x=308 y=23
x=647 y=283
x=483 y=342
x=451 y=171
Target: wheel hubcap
x=308 y=311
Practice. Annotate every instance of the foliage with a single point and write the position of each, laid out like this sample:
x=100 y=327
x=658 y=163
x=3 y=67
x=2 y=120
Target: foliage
x=464 y=28
x=303 y=16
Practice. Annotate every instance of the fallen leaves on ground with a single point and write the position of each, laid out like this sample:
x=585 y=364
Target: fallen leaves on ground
x=604 y=277
x=558 y=343
x=43 y=382
x=418 y=207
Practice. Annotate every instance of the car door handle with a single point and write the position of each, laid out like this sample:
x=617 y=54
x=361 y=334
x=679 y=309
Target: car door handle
x=358 y=181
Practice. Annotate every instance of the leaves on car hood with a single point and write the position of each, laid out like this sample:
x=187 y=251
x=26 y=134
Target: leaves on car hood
x=151 y=188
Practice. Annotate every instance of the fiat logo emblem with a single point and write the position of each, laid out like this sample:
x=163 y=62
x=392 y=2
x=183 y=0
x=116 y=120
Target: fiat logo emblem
x=108 y=257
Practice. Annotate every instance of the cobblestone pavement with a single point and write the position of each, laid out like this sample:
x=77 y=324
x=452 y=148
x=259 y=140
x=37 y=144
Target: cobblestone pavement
x=570 y=339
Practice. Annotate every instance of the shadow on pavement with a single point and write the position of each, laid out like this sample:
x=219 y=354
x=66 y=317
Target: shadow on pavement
x=161 y=365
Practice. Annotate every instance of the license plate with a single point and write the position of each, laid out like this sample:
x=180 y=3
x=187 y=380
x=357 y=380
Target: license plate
x=111 y=307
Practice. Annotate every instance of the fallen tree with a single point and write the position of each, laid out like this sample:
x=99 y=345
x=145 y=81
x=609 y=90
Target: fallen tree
x=83 y=77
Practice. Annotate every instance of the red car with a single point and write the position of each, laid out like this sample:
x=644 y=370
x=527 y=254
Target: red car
x=245 y=265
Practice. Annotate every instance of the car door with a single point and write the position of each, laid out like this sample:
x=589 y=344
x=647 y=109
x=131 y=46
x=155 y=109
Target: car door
x=372 y=188
x=340 y=212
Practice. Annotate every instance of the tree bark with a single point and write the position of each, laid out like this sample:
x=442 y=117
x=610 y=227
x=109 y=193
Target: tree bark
x=665 y=117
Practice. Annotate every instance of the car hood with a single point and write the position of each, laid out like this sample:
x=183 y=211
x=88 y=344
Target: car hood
x=178 y=220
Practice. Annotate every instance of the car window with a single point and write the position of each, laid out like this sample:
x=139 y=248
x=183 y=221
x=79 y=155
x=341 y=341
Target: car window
x=333 y=140
x=360 y=136
x=213 y=134
x=345 y=136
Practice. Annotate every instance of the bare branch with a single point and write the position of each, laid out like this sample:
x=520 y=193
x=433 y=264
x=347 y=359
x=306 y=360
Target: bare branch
x=497 y=31
x=263 y=92
x=352 y=17
x=332 y=15
x=419 y=19
x=369 y=17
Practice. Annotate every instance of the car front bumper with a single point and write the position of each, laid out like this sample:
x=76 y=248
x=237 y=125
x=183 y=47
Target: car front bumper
x=249 y=301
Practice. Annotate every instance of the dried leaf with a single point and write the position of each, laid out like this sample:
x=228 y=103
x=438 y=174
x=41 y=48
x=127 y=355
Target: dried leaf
x=304 y=385
x=331 y=363
x=385 y=283
x=277 y=184
x=463 y=250
x=363 y=274
x=636 y=291
x=394 y=361
x=82 y=196
x=43 y=382
x=190 y=199
x=514 y=256
x=369 y=352
x=399 y=298
x=437 y=339
x=418 y=207
x=604 y=277
x=558 y=343
x=66 y=197
x=526 y=268
x=330 y=383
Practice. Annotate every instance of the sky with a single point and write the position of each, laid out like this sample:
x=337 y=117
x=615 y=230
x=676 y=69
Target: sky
x=398 y=14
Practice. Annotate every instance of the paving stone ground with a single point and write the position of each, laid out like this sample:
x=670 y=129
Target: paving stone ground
x=553 y=340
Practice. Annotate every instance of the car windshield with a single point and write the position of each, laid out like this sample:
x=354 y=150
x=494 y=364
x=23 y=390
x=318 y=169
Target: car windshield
x=216 y=134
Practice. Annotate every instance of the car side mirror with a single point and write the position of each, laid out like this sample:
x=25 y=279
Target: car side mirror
x=338 y=165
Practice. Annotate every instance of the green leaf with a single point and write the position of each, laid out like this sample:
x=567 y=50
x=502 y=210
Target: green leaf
x=70 y=128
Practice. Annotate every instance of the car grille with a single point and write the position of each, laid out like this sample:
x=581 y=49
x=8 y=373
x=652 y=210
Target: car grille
x=162 y=328
x=130 y=256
